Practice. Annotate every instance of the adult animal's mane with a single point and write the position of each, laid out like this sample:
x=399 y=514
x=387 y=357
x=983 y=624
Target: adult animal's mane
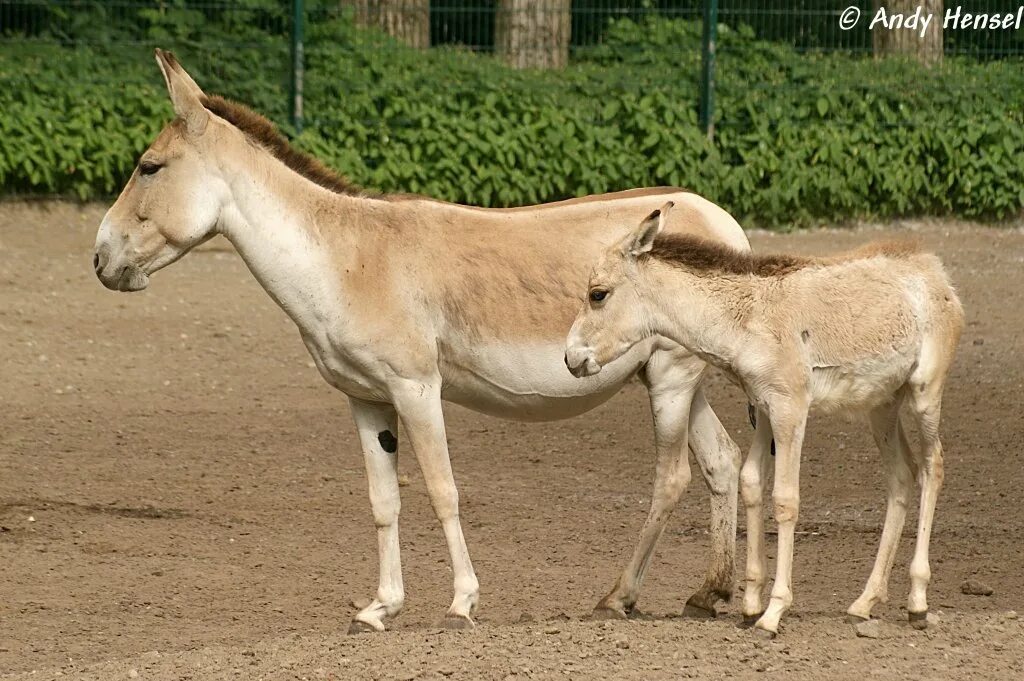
x=264 y=133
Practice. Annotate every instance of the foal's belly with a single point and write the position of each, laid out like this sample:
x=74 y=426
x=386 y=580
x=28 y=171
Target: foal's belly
x=860 y=385
x=530 y=382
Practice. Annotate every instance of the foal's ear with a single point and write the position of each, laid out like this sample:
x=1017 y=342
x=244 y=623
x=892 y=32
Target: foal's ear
x=186 y=96
x=642 y=238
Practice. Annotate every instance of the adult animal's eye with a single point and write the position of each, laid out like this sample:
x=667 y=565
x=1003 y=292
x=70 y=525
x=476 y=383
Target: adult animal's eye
x=149 y=168
x=598 y=294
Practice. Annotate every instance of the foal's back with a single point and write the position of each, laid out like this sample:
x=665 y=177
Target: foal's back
x=868 y=318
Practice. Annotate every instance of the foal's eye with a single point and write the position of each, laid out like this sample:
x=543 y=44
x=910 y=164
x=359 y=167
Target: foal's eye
x=149 y=168
x=597 y=295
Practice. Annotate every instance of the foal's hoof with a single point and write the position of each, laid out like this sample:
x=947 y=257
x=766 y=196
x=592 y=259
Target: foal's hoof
x=918 y=620
x=603 y=612
x=458 y=622
x=764 y=634
x=358 y=627
x=697 y=612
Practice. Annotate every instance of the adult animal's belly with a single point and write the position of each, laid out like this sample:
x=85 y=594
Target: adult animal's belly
x=530 y=382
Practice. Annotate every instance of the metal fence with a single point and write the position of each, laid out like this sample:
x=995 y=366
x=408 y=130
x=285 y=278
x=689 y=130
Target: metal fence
x=526 y=33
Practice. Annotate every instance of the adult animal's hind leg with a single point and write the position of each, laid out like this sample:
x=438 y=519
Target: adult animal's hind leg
x=378 y=434
x=897 y=459
x=718 y=458
x=671 y=385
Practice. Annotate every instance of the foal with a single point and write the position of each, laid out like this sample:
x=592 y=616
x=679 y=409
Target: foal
x=867 y=331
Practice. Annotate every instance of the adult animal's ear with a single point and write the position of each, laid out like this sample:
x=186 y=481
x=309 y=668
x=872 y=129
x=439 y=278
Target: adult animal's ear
x=642 y=239
x=186 y=96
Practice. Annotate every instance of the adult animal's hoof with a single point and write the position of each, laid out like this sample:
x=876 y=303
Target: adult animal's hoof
x=604 y=612
x=458 y=622
x=359 y=627
x=699 y=613
x=764 y=634
x=855 y=619
x=750 y=620
x=918 y=620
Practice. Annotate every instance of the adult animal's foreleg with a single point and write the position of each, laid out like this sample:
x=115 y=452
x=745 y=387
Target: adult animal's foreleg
x=419 y=409
x=377 y=425
x=671 y=386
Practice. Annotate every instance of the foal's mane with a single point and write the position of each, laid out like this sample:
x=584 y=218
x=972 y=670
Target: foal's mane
x=688 y=251
x=264 y=133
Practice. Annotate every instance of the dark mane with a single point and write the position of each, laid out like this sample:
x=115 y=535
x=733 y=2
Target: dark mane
x=684 y=250
x=263 y=132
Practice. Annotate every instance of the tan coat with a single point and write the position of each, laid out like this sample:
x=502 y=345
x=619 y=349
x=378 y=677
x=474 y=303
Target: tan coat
x=404 y=301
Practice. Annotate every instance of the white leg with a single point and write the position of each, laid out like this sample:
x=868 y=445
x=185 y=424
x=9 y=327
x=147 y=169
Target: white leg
x=718 y=458
x=378 y=434
x=419 y=409
x=926 y=404
x=898 y=460
x=753 y=480
x=788 y=428
x=671 y=386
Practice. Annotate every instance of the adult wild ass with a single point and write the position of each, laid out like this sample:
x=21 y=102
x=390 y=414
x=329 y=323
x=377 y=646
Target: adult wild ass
x=868 y=331
x=404 y=302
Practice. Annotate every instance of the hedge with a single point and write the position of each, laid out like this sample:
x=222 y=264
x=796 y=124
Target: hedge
x=800 y=138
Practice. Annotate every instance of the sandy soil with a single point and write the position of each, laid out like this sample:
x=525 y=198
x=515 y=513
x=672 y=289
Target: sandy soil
x=182 y=497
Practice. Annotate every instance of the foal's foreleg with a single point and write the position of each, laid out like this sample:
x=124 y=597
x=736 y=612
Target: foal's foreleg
x=898 y=461
x=378 y=432
x=419 y=408
x=753 y=481
x=788 y=428
x=719 y=460
x=670 y=403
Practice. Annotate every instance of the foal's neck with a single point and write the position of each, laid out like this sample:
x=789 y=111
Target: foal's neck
x=703 y=313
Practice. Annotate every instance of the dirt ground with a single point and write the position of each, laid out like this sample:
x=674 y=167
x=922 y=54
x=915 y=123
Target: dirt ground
x=182 y=497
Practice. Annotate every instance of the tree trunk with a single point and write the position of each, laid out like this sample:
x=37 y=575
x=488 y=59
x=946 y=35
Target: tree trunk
x=533 y=33
x=906 y=41
x=407 y=20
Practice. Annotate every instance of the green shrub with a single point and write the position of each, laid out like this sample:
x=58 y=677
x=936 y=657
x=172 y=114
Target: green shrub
x=799 y=138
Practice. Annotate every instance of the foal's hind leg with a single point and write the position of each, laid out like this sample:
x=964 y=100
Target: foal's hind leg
x=671 y=385
x=719 y=460
x=926 y=403
x=897 y=459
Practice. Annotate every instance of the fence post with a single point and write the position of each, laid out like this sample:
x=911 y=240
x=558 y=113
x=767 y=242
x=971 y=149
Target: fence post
x=298 y=62
x=707 y=75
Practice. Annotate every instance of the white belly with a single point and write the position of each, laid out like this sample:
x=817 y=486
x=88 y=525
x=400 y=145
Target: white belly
x=862 y=385
x=530 y=382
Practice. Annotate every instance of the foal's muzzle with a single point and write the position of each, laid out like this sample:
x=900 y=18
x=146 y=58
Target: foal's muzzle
x=581 y=363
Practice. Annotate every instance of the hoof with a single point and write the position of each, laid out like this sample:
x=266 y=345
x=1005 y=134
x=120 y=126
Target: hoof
x=750 y=620
x=358 y=627
x=602 y=612
x=458 y=622
x=698 y=613
x=856 y=619
x=918 y=620
x=764 y=634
